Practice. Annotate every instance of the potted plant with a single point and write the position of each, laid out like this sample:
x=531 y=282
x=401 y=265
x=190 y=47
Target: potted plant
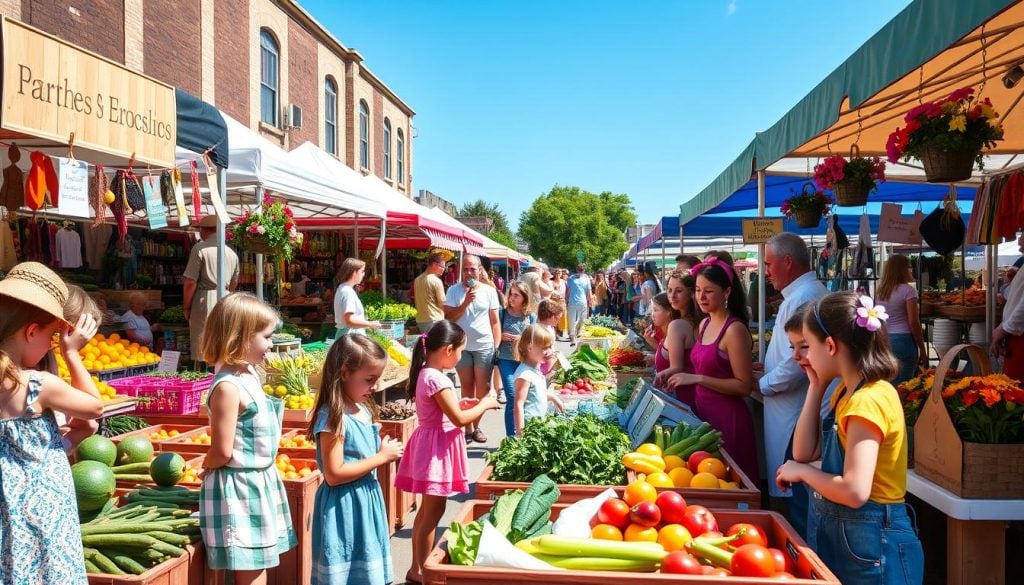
x=850 y=180
x=807 y=207
x=271 y=230
x=947 y=136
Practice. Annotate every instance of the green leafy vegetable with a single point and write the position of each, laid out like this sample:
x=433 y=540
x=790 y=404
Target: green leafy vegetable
x=587 y=362
x=579 y=450
x=534 y=509
x=463 y=542
x=504 y=510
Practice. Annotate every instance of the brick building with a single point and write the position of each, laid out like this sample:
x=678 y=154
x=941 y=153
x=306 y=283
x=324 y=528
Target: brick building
x=260 y=61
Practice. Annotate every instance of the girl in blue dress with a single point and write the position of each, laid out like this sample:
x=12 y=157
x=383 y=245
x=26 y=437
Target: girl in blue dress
x=350 y=525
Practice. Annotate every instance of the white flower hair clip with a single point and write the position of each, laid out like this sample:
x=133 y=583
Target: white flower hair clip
x=869 y=315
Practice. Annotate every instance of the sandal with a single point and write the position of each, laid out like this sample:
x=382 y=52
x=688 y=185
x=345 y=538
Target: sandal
x=501 y=397
x=409 y=579
x=469 y=436
x=479 y=436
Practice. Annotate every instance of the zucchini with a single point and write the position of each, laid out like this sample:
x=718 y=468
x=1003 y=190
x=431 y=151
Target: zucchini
x=131 y=468
x=167 y=549
x=598 y=563
x=118 y=540
x=126 y=527
x=102 y=563
x=127 y=564
x=91 y=568
x=567 y=546
x=170 y=537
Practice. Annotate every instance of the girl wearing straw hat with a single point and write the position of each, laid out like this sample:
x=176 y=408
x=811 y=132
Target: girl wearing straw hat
x=40 y=538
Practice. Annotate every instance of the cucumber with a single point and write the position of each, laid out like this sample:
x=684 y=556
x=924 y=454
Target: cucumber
x=131 y=468
x=128 y=564
x=126 y=528
x=704 y=443
x=118 y=540
x=679 y=433
x=91 y=568
x=170 y=537
x=102 y=563
x=167 y=549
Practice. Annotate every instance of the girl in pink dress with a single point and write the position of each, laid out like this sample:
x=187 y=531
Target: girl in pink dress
x=721 y=359
x=435 y=461
x=679 y=338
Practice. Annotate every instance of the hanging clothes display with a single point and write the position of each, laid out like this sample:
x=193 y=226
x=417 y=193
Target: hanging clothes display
x=97 y=239
x=42 y=185
x=69 y=247
x=8 y=253
x=12 y=192
x=1011 y=208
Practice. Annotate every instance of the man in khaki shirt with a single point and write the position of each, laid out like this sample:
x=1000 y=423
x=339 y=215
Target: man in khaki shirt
x=428 y=291
x=201 y=281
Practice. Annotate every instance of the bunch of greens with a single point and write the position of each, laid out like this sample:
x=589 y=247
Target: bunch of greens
x=175 y=314
x=623 y=393
x=606 y=321
x=390 y=312
x=186 y=375
x=124 y=423
x=579 y=450
x=587 y=362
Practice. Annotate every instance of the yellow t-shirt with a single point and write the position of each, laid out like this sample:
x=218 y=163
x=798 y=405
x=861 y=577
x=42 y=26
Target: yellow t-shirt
x=879 y=404
x=428 y=291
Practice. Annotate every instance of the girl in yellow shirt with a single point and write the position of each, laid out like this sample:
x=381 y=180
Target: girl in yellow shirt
x=860 y=525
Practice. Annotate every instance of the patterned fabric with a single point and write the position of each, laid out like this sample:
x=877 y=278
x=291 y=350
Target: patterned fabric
x=243 y=510
x=350 y=525
x=40 y=541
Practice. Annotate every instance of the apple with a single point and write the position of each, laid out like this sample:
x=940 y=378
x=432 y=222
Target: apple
x=615 y=512
x=698 y=520
x=672 y=506
x=694 y=461
x=645 y=514
x=751 y=535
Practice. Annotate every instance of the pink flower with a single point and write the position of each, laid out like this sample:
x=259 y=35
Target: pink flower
x=927 y=109
x=960 y=94
x=869 y=315
x=254 y=229
x=261 y=230
x=895 y=144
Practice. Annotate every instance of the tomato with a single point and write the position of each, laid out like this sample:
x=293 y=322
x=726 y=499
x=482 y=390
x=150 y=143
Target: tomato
x=783 y=576
x=719 y=572
x=606 y=532
x=615 y=512
x=783 y=562
x=640 y=491
x=681 y=563
x=672 y=506
x=753 y=560
x=698 y=520
x=695 y=460
x=751 y=535
x=637 y=533
x=674 y=537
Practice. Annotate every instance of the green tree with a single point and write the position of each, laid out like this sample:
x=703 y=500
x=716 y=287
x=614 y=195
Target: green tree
x=504 y=238
x=568 y=219
x=481 y=208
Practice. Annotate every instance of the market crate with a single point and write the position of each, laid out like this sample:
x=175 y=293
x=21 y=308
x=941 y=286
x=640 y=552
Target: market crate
x=297 y=564
x=129 y=386
x=405 y=502
x=297 y=417
x=187 y=569
x=300 y=452
x=108 y=375
x=748 y=496
x=190 y=461
x=486 y=489
x=386 y=479
x=188 y=442
x=148 y=432
x=140 y=370
x=437 y=570
x=171 y=397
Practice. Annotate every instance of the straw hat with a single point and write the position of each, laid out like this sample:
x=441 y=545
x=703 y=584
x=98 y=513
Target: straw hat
x=34 y=284
x=209 y=221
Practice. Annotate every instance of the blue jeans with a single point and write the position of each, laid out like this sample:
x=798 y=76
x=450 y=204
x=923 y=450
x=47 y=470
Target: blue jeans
x=507 y=371
x=799 y=501
x=905 y=350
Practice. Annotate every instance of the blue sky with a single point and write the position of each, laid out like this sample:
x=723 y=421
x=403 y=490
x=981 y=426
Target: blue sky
x=652 y=98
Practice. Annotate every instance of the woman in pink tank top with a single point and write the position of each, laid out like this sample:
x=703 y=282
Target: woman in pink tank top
x=721 y=359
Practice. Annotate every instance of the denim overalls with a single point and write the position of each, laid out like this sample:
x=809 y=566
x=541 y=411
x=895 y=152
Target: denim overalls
x=875 y=544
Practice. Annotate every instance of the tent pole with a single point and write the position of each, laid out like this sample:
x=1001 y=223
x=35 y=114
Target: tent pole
x=663 y=244
x=356 y=254
x=382 y=251
x=680 y=238
x=222 y=180
x=761 y=310
x=259 y=256
x=991 y=289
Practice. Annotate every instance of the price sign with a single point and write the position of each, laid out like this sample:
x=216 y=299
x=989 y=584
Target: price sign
x=759 y=231
x=169 y=361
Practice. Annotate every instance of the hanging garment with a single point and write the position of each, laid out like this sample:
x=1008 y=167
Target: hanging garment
x=1011 y=208
x=12 y=193
x=988 y=232
x=8 y=253
x=99 y=188
x=973 y=233
x=50 y=244
x=69 y=248
x=42 y=185
x=863 y=255
x=33 y=239
x=97 y=239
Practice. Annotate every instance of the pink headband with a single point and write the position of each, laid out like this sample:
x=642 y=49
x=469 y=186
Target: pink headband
x=713 y=261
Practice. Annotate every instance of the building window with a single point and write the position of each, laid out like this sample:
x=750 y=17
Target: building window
x=269 y=59
x=387 y=148
x=364 y=135
x=331 y=116
x=401 y=156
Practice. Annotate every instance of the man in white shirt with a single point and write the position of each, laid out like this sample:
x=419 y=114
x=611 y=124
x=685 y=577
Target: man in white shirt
x=474 y=307
x=783 y=384
x=578 y=289
x=1008 y=338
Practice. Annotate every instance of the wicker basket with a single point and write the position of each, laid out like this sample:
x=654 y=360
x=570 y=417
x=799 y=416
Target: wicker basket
x=257 y=245
x=851 y=194
x=807 y=218
x=947 y=166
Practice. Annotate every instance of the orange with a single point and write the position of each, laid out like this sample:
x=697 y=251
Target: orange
x=649 y=449
x=704 y=480
x=681 y=476
x=606 y=532
x=674 y=537
x=673 y=461
x=713 y=466
x=728 y=485
x=660 y=480
x=637 y=533
x=114 y=337
x=641 y=491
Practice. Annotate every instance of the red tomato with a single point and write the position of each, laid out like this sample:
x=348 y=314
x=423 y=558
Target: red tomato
x=751 y=535
x=698 y=520
x=615 y=512
x=783 y=562
x=720 y=572
x=783 y=576
x=695 y=460
x=672 y=506
x=681 y=563
x=804 y=568
x=753 y=560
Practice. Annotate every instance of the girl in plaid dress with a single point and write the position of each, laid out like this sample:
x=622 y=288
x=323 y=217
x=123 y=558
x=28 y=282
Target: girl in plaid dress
x=243 y=511
x=350 y=525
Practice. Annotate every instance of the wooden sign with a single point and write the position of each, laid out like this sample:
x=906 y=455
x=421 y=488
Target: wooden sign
x=759 y=231
x=53 y=89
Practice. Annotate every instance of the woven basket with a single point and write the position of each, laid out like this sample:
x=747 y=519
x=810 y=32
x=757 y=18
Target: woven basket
x=257 y=245
x=807 y=218
x=947 y=166
x=851 y=194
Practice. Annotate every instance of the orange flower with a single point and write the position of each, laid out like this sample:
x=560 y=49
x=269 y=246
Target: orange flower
x=1015 y=395
x=970 y=398
x=991 y=397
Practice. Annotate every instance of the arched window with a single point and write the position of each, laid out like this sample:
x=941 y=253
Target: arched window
x=269 y=60
x=364 y=135
x=331 y=116
x=387 y=148
x=400 y=144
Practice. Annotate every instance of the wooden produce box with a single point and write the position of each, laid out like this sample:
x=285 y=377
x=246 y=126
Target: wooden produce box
x=748 y=496
x=486 y=489
x=188 y=442
x=182 y=429
x=187 y=569
x=297 y=417
x=437 y=570
x=299 y=452
x=405 y=502
x=386 y=479
x=969 y=470
x=198 y=419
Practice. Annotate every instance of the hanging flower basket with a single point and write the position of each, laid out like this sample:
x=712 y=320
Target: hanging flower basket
x=850 y=180
x=947 y=166
x=807 y=218
x=257 y=245
x=851 y=194
x=807 y=207
x=269 y=230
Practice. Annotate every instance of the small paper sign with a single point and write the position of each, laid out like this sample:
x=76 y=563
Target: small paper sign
x=154 y=206
x=179 y=198
x=563 y=362
x=643 y=421
x=211 y=183
x=169 y=361
x=896 y=228
x=759 y=231
x=74 y=187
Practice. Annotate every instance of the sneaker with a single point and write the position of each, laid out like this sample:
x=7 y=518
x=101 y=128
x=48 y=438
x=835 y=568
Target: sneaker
x=501 y=397
x=479 y=436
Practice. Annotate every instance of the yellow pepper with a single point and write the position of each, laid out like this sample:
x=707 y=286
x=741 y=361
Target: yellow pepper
x=643 y=463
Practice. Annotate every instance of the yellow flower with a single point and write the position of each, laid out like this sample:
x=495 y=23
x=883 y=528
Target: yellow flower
x=958 y=123
x=988 y=111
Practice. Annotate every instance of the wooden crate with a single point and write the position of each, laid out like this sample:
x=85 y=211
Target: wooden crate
x=182 y=428
x=437 y=571
x=486 y=489
x=187 y=569
x=405 y=502
x=386 y=479
x=179 y=444
x=748 y=496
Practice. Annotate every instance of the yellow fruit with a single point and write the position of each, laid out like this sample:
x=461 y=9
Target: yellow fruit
x=713 y=466
x=704 y=480
x=174 y=433
x=291 y=475
x=108 y=197
x=660 y=480
x=640 y=491
x=305 y=471
x=673 y=461
x=681 y=477
x=649 y=449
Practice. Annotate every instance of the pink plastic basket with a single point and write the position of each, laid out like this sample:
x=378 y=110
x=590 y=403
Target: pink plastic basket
x=130 y=386
x=171 y=396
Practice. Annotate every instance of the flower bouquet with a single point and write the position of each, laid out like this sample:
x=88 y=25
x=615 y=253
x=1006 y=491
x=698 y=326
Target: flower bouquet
x=947 y=135
x=270 y=231
x=850 y=180
x=807 y=207
x=915 y=391
x=987 y=409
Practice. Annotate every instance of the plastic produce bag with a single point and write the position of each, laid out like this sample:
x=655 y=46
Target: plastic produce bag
x=496 y=551
x=575 y=519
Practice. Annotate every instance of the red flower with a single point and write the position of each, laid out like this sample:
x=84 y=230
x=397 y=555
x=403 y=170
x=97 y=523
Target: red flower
x=960 y=94
x=1015 y=395
x=288 y=211
x=970 y=397
x=928 y=109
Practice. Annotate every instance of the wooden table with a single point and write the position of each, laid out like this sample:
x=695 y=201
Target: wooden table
x=976 y=531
